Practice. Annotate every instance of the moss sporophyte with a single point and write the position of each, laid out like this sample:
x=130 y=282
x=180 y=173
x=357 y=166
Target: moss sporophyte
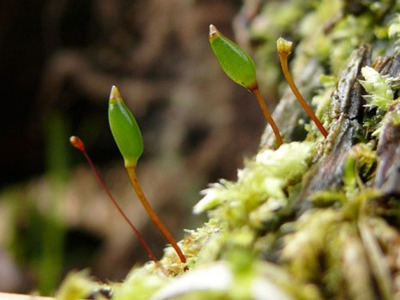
x=78 y=144
x=284 y=48
x=239 y=66
x=128 y=138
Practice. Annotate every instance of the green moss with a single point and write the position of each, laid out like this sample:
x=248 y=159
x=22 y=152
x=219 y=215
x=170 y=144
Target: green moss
x=322 y=99
x=327 y=198
x=346 y=36
x=394 y=30
x=378 y=88
x=302 y=248
x=264 y=177
x=255 y=232
x=76 y=286
x=394 y=118
x=140 y=283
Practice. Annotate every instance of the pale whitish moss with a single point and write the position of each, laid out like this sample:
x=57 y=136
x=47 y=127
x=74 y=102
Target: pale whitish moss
x=205 y=244
x=354 y=266
x=263 y=178
x=200 y=246
x=302 y=249
x=379 y=265
x=76 y=286
x=297 y=289
x=239 y=276
x=140 y=284
x=378 y=88
x=267 y=215
x=212 y=281
x=209 y=248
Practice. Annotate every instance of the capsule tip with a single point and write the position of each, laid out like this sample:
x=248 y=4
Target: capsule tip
x=115 y=95
x=284 y=46
x=77 y=143
x=213 y=31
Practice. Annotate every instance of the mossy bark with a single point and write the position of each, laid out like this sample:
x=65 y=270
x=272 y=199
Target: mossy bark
x=316 y=218
x=347 y=210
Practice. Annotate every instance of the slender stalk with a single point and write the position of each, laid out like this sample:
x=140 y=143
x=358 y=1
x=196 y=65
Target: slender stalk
x=153 y=216
x=284 y=50
x=256 y=92
x=78 y=144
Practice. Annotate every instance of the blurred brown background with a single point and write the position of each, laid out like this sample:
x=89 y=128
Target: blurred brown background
x=58 y=60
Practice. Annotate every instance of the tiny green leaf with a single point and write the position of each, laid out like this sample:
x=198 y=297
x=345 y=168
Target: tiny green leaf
x=236 y=63
x=378 y=87
x=125 y=129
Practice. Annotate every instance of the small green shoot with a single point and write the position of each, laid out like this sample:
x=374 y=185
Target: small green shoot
x=239 y=66
x=378 y=87
x=284 y=49
x=129 y=140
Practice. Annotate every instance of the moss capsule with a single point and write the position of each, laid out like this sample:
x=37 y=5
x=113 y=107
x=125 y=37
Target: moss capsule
x=235 y=62
x=125 y=129
x=129 y=140
x=239 y=66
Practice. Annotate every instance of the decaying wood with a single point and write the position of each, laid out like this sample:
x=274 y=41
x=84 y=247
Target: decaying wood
x=388 y=171
x=347 y=112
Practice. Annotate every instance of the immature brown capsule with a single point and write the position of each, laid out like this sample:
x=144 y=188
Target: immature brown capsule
x=284 y=48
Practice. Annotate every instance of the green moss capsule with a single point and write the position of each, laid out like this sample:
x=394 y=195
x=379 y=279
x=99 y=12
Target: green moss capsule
x=239 y=66
x=125 y=129
x=236 y=63
x=129 y=140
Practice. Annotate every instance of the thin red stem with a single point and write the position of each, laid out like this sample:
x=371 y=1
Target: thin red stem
x=153 y=216
x=77 y=143
x=285 y=69
x=256 y=92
